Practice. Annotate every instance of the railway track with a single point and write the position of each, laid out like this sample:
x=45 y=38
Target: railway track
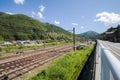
x=25 y=54
x=18 y=66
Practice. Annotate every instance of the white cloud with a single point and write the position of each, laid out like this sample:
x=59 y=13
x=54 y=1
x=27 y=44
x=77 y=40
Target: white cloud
x=10 y=13
x=108 y=18
x=39 y=14
x=57 y=22
x=75 y=24
x=82 y=27
x=19 y=1
x=82 y=17
x=33 y=14
x=42 y=8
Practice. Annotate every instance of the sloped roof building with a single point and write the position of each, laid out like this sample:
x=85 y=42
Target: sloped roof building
x=114 y=35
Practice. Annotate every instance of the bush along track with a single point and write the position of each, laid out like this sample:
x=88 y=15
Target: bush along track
x=67 y=67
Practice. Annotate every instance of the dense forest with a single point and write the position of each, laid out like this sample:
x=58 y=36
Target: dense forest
x=22 y=27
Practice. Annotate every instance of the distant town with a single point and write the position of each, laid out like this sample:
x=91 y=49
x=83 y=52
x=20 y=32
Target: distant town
x=21 y=42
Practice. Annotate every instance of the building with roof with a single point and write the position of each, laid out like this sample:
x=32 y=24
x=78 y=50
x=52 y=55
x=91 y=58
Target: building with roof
x=113 y=35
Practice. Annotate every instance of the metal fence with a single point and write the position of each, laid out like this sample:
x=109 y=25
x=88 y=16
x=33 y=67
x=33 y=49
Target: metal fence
x=109 y=65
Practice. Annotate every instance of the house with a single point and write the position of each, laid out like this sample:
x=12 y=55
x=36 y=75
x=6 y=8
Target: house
x=113 y=35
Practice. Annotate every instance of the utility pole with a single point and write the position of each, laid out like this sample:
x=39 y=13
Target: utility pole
x=44 y=39
x=44 y=42
x=74 y=38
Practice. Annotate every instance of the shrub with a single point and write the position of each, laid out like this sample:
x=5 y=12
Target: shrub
x=81 y=47
x=65 y=68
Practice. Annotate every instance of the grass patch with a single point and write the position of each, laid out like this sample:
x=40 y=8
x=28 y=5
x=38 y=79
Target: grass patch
x=57 y=43
x=67 y=67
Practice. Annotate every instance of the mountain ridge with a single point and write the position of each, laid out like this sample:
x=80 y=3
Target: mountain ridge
x=22 y=27
x=90 y=35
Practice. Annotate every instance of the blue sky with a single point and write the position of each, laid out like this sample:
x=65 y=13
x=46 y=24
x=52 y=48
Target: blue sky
x=84 y=15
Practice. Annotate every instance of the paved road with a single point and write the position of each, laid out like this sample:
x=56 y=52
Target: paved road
x=114 y=48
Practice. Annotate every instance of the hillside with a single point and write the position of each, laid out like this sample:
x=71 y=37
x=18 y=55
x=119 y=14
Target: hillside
x=90 y=35
x=22 y=27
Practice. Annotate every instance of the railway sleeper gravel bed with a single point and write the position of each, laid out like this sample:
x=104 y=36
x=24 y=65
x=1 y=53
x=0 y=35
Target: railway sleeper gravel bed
x=28 y=53
x=19 y=67
x=22 y=71
x=22 y=59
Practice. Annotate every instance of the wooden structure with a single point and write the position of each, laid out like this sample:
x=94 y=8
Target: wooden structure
x=114 y=36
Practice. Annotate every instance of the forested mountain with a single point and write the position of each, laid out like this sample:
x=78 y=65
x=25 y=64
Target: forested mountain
x=90 y=35
x=22 y=27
